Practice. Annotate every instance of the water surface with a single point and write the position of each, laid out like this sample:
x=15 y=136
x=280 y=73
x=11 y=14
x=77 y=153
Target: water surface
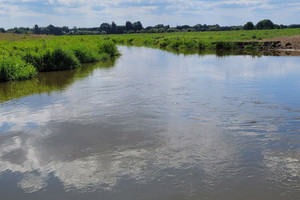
x=154 y=125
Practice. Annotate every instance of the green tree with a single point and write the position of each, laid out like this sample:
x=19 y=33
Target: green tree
x=36 y=29
x=248 y=26
x=128 y=26
x=137 y=26
x=265 y=24
x=113 y=27
x=105 y=27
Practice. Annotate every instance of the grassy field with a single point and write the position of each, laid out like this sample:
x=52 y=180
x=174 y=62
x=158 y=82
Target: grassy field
x=23 y=56
x=225 y=40
x=18 y=37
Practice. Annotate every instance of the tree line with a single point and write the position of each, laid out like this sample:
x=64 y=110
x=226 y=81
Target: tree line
x=137 y=27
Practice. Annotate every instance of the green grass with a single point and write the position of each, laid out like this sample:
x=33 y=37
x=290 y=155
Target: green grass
x=22 y=59
x=12 y=68
x=200 y=40
x=18 y=37
x=22 y=56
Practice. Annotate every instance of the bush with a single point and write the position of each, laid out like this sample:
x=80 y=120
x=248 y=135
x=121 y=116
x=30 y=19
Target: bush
x=189 y=44
x=176 y=44
x=13 y=68
x=201 y=45
x=104 y=56
x=86 y=55
x=250 y=48
x=59 y=59
x=109 y=48
x=162 y=44
x=224 y=46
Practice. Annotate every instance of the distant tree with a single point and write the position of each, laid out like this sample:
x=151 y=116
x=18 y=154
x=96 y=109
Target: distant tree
x=159 y=26
x=198 y=27
x=2 y=30
x=129 y=26
x=169 y=30
x=214 y=28
x=248 y=26
x=113 y=28
x=283 y=26
x=52 y=30
x=265 y=24
x=105 y=27
x=75 y=29
x=183 y=27
x=137 y=26
x=17 y=30
x=237 y=28
x=36 y=29
x=121 y=29
x=294 y=26
x=65 y=29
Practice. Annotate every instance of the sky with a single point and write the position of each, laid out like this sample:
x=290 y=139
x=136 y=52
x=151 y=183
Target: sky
x=91 y=13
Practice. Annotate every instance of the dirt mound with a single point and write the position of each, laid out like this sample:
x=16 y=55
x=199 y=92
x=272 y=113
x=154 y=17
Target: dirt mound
x=287 y=42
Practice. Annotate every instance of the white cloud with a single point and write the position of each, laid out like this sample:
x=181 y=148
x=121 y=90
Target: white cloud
x=84 y=13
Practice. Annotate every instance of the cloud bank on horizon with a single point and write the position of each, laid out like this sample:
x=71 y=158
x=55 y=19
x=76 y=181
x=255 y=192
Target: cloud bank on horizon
x=91 y=13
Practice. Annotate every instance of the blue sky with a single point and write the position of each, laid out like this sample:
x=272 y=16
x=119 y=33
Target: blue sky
x=91 y=13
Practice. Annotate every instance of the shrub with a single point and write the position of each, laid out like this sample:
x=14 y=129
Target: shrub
x=249 y=48
x=189 y=44
x=59 y=59
x=13 y=68
x=224 y=46
x=85 y=55
x=176 y=44
x=109 y=48
x=201 y=45
x=130 y=40
x=104 y=56
x=162 y=44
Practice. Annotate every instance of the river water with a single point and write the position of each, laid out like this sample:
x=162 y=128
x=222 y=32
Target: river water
x=154 y=125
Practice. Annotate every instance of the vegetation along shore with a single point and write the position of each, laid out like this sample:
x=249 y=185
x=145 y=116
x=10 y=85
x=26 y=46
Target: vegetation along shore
x=22 y=56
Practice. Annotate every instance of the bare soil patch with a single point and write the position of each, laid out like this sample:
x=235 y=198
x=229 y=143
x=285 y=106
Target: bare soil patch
x=287 y=42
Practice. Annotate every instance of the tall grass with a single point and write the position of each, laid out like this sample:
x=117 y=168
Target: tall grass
x=21 y=58
x=15 y=68
x=58 y=59
x=24 y=58
x=108 y=47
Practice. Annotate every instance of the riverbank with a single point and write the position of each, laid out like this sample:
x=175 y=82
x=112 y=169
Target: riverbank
x=24 y=58
x=287 y=42
x=245 y=42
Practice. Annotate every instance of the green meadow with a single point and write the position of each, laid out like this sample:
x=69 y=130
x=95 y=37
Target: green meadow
x=200 y=40
x=23 y=56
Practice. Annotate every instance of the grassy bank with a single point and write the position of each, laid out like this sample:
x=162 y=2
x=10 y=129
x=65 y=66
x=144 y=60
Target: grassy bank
x=24 y=58
x=218 y=40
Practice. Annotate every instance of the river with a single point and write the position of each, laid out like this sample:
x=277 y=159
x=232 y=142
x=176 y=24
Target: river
x=154 y=125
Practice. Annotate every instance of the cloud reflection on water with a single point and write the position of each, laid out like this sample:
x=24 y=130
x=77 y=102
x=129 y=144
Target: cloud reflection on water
x=188 y=115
